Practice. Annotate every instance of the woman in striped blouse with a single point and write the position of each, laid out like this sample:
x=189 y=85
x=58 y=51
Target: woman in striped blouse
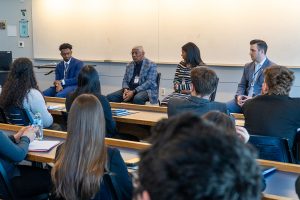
x=182 y=80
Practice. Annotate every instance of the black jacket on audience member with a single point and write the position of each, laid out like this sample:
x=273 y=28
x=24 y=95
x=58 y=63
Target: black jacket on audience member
x=194 y=104
x=273 y=115
x=109 y=121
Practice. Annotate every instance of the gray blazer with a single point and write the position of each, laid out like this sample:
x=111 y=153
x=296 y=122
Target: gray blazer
x=244 y=85
x=195 y=105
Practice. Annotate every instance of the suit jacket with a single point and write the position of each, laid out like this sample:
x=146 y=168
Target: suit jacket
x=194 y=104
x=147 y=79
x=249 y=69
x=72 y=72
x=273 y=115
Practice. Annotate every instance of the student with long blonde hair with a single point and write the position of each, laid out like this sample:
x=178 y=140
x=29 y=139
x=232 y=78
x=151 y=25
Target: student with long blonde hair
x=83 y=159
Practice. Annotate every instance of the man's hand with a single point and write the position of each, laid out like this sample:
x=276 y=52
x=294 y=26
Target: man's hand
x=128 y=95
x=241 y=99
x=58 y=86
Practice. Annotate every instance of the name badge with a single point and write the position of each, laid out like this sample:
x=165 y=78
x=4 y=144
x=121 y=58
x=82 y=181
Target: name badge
x=136 y=79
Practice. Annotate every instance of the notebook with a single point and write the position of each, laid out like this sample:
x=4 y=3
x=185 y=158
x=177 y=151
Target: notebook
x=120 y=112
x=42 y=145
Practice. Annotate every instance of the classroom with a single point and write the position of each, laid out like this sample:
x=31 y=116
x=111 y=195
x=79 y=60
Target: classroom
x=103 y=33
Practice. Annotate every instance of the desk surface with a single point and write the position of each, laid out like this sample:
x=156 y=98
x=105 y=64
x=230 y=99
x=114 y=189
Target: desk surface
x=142 y=114
x=280 y=184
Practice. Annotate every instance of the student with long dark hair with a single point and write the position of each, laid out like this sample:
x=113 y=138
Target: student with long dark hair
x=84 y=158
x=89 y=83
x=21 y=90
x=182 y=79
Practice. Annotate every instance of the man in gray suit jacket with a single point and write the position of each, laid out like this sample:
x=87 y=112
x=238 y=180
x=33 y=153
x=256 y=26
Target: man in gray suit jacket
x=204 y=83
x=252 y=79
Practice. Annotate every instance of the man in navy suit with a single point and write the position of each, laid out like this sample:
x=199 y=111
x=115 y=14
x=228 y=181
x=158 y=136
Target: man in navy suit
x=252 y=79
x=66 y=73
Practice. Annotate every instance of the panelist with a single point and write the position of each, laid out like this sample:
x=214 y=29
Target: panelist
x=66 y=73
x=203 y=83
x=252 y=79
x=139 y=82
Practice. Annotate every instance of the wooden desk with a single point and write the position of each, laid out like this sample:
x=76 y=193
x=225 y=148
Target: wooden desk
x=280 y=185
x=129 y=150
x=142 y=114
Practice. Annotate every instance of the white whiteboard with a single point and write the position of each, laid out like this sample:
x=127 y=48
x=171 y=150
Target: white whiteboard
x=108 y=29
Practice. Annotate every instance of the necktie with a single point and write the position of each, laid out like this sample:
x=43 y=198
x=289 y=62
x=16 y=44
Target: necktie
x=66 y=69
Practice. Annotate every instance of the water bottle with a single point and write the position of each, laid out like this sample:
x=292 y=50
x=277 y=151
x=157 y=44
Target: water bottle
x=38 y=124
x=0 y=89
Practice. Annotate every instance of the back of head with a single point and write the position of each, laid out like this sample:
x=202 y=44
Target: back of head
x=190 y=159
x=81 y=162
x=193 y=54
x=20 y=80
x=88 y=81
x=279 y=80
x=262 y=45
x=221 y=120
x=204 y=80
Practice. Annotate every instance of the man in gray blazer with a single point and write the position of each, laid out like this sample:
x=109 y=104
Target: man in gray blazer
x=252 y=79
x=204 y=83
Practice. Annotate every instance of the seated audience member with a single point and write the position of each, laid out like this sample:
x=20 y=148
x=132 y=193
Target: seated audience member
x=252 y=79
x=21 y=91
x=182 y=79
x=66 y=73
x=84 y=158
x=191 y=159
x=26 y=180
x=228 y=124
x=139 y=82
x=274 y=113
x=204 y=83
x=89 y=83
x=298 y=187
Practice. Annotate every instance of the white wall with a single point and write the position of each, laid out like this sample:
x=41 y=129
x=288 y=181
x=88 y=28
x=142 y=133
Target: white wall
x=111 y=74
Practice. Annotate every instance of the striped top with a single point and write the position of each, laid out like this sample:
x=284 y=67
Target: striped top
x=182 y=79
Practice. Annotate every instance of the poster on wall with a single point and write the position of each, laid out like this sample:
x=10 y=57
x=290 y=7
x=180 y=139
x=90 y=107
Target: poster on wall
x=23 y=28
x=2 y=24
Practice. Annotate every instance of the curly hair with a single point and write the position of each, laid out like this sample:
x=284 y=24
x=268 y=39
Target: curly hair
x=279 y=80
x=20 y=80
x=191 y=159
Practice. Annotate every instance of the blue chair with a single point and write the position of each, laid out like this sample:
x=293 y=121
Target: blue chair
x=272 y=148
x=7 y=189
x=17 y=116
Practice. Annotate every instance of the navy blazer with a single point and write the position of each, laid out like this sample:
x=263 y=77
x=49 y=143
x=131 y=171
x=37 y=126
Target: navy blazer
x=72 y=72
x=194 y=104
x=244 y=85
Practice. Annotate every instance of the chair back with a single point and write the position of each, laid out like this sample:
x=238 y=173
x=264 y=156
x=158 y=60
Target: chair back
x=272 y=148
x=5 y=185
x=158 y=83
x=17 y=116
x=213 y=95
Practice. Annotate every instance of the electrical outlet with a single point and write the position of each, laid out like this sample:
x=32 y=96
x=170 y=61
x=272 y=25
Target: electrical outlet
x=163 y=91
x=21 y=44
